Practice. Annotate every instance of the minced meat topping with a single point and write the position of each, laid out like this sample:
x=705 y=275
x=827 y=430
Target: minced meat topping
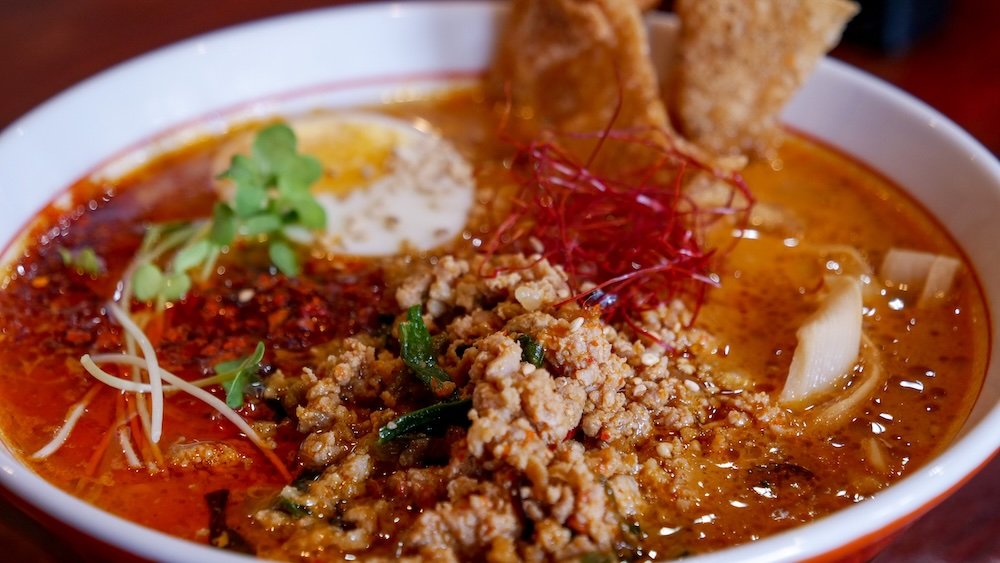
x=579 y=455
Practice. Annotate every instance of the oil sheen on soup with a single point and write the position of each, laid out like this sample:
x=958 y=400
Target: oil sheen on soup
x=462 y=398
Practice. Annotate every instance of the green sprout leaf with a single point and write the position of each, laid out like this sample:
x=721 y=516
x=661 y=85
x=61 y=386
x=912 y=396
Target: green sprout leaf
x=417 y=350
x=426 y=419
x=249 y=200
x=175 y=286
x=251 y=187
x=310 y=213
x=262 y=224
x=271 y=204
x=147 y=281
x=84 y=260
x=297 y=174
x=240 y=374
x=283 y=257
x=223 y=230
x=192 y=255
x=274 y=145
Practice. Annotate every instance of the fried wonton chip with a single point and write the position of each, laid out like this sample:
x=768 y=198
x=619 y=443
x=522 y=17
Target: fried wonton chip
x=572 y=61
x=742 y=60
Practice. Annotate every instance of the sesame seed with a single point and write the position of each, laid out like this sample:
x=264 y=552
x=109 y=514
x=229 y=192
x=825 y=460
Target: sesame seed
x=649 y=359
x=691 y=385
x=663 y=450
x=245 y=295
x=527 y=369
x=576 y=324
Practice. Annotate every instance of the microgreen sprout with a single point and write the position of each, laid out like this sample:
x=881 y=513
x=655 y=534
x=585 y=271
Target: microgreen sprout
x=83 y=260
x=271 y=198
x=239 y=375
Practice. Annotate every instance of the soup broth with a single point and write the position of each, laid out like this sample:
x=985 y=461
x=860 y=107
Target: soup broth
x=694 y=457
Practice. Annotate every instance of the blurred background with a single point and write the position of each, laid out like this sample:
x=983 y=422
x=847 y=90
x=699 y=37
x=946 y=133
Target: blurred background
x=945 y=52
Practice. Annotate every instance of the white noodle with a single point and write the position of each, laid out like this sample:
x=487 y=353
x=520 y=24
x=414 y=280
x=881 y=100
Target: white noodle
x=110 y=380
x=124 y=438
x=218 y=405
x=152 y=369
x=140 y=403
x=176 y=383
x=72 y=416
x=139 y=362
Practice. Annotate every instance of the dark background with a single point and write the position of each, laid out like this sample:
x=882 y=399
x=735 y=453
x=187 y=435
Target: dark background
x=946 y=53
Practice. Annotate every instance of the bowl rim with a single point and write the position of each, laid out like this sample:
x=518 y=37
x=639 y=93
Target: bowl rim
x=856 y=525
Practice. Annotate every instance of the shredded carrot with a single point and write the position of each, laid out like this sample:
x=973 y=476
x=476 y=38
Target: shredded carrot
x=278 y=464
x=102 y=447
x=135 y=425
x=154 y=328
x=147 y=449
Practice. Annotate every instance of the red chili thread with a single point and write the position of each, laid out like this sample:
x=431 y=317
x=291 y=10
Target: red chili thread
x=634 y=234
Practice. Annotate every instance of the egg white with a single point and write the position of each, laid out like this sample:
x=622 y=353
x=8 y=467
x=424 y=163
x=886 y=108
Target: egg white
x=387 y=185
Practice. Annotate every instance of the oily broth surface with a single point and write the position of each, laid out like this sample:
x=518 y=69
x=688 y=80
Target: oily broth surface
x=933 y=357
x=50 y=319
x=943 y=346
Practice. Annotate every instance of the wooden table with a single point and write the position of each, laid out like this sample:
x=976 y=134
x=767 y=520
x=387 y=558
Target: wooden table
x=48 y=45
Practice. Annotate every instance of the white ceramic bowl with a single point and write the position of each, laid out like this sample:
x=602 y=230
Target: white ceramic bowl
x=365 y=53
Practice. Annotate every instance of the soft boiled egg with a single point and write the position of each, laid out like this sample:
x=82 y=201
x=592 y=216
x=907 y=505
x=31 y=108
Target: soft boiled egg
x=386 y=185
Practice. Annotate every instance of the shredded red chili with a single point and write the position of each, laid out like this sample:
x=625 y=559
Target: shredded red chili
x=628 y=241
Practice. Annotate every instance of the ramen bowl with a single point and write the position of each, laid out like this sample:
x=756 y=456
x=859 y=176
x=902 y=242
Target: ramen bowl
x=345 y=56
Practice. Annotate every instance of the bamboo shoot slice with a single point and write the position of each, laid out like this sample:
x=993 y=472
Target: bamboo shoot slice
x=937 y=284
x=913 y=270
x=828 y=343
x=906 y=269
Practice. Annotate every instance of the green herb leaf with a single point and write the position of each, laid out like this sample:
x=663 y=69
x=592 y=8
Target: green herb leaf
x=241 y=373
x=310 y=213
x=283 y=257
x=175 y=286
x=297 y=174
x=531 y=350
x=417 y=350
x=264 y=223
x=152 y=236
x=88 y=261
x=273 y=146
x=223 y=225
x=426 y=419
x=249 y=200
x=271 y=197
x=251 y=189
x=147 y=281
x=84 y=260
x=192 y=255
x=290 y=508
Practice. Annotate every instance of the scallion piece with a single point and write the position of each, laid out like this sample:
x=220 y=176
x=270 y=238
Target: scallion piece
x=426 y=419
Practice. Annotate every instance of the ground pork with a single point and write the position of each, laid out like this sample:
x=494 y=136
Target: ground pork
x=558 y=460
x=210 y=456
x=475 y=514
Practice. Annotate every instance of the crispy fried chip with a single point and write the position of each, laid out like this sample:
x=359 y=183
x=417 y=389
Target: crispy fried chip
x=742 y=60
x=571 y=61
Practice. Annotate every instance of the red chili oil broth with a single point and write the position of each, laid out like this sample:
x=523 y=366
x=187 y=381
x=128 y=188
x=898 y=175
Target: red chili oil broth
x=52 y=315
